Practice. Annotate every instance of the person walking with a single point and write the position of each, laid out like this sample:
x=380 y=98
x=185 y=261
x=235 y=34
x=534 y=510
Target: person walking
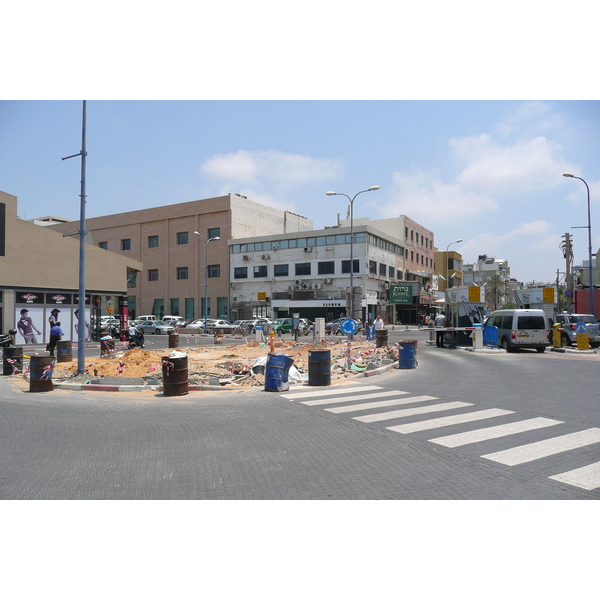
x=440 y=323
x=56 y=334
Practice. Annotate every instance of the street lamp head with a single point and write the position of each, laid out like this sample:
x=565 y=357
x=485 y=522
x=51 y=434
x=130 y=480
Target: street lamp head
x=373 y=188
x=458 y=241
x=196 y=233
x=331 y=193
x=568 y=175
x=214 y=239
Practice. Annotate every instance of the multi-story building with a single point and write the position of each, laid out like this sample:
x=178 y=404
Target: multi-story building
x=309 y=273
x=173 y=244
x=450 y=269
x=493 y=274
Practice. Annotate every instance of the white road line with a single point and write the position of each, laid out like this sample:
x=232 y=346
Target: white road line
x=366 y=405
x=352 y=398
x=529 y=452
x=328 y=391
x=408 y=412
x=490 y=433
x=587 y=477
x=452 y=420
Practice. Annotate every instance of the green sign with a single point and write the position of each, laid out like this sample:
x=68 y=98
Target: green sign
x=401 y=293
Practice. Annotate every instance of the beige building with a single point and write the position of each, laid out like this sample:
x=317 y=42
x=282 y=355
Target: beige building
x=39 y=274
x=175 y=258
x=449 y=266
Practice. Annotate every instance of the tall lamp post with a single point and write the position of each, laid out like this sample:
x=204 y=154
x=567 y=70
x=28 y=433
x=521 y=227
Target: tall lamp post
x=371 y=189
x=589 y=228
x=212 y=239
x=447 y=260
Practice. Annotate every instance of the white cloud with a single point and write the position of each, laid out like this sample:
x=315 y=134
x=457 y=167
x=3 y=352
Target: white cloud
x=271 y=167
x=529 y=117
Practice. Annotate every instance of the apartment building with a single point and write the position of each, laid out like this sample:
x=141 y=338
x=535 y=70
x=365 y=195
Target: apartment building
x=179 y=243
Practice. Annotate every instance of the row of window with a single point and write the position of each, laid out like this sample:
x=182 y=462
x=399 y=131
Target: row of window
x=323 y=268
x=413 y=234
x=309 y=242
x=153 y=240
x=183 y=272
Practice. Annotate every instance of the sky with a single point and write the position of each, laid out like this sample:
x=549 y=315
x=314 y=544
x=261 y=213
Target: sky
x=486 y=172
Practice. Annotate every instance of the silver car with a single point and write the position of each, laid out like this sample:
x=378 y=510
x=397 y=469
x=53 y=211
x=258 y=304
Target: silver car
x=157 y=327
x=569 y=323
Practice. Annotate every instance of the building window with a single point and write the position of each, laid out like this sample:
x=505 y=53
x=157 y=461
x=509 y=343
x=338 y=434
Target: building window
x=346 y=266
x=326 y=268
x=152 y=274
x=214 y=232
x=280 y=270
x=189 y=308
x=214 y=271
x=240 y=273
x=182 y=238
x=103 y=245
x=391 y=271
x=182 y=272
x=174 y=304
x=152 y=241
x=126 y=244
x=399 y=275
x=303 y=268
x=412 y=256
x=372 y=267
x=382 y=269
x=260 y=271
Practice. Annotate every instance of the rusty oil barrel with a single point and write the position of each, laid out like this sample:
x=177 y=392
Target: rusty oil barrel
x=64 y=351
x=319 y=367
x=40 y=373
x=175 y=375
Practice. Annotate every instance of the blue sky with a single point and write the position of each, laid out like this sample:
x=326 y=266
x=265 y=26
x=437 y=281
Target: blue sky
x=426 y=102
x=489 y=172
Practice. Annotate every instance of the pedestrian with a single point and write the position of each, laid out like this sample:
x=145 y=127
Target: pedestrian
x=440 y=324
x=378 y=323
x=26 y=327
x=56 y=334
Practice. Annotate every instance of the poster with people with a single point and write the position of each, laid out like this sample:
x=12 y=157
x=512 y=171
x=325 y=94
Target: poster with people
x=30 y=325
x=87 y=333
x=57 y=315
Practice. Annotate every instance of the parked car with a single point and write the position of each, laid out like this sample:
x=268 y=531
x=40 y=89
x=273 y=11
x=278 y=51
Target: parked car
x=521 y=328
x=333 y=326
x=569 y=323
x=251 y=324
x=171 y=319
x=282 y=325
x=157 y=327
x=221 y=325
x=199 y=323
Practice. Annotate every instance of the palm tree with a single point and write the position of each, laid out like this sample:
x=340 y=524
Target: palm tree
x=497 y=288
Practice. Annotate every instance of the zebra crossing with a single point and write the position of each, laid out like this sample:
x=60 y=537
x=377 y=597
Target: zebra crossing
x=361 y=398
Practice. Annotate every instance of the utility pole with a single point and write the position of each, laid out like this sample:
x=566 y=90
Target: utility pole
x=567 y=248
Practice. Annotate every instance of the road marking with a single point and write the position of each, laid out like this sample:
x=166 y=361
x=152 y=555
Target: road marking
x=351 y=398
x=330 y=391
x=587 y=477
x=452 y=420
x=529 y=452
x=490 y=433
x=408 y=412
x=395 y=402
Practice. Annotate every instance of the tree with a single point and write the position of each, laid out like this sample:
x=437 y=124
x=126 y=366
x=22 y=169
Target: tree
x=497 y=289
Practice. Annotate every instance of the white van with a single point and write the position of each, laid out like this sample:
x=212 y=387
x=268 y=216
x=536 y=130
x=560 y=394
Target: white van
x=146 y=318
x=521 y=328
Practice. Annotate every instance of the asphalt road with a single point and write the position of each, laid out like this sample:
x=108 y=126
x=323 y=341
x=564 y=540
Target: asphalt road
x=260 y=445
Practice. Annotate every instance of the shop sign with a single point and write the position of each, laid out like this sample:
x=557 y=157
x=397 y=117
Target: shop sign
x=29 y=298
x=401 y=293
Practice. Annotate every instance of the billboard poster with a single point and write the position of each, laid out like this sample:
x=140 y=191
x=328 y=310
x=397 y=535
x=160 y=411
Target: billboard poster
x=30 y=325
x=75 y=334
x=401 y=293
x=57 y=315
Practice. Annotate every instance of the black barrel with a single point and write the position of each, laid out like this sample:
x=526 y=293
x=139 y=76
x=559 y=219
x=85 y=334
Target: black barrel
x=15 y=354
x=107 y=347
x=173 y=340
x=64 y=351
x=319 y=367
x=175 y=375
x=40 y=373
x=381 y=338
x=408 y=354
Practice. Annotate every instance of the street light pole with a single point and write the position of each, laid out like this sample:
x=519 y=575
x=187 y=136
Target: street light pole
x=448 y=246
x=371 y=189
x=589 y=228
x=212 y=239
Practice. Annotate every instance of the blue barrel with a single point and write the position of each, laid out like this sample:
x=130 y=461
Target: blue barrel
x=40 y=373
x=64 y=351
x=408 y=354
x=276 y=373
x=319 y=367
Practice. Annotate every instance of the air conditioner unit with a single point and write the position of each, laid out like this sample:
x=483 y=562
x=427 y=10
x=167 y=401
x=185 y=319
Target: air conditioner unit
x=266 y=256
x=317 y=286
x=290 y=288
x=246 y=257
x=305 y=286
x=307 y=249
x=297 y=282
x=326 y=280
x=297 y=287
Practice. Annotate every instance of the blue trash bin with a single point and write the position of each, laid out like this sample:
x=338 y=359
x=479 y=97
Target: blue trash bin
x=276 y=372
x=408 y=354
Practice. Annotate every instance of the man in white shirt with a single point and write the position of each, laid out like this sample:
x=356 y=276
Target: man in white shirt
x=440 y=323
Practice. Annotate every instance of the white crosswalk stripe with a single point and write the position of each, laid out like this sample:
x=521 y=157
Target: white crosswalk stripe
x=409 y=412
x=490 y=433
x=338 y=400
x=587 y=477
x=453 y=420
x=382 y=404
x=536 y=450
x=373 y=397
